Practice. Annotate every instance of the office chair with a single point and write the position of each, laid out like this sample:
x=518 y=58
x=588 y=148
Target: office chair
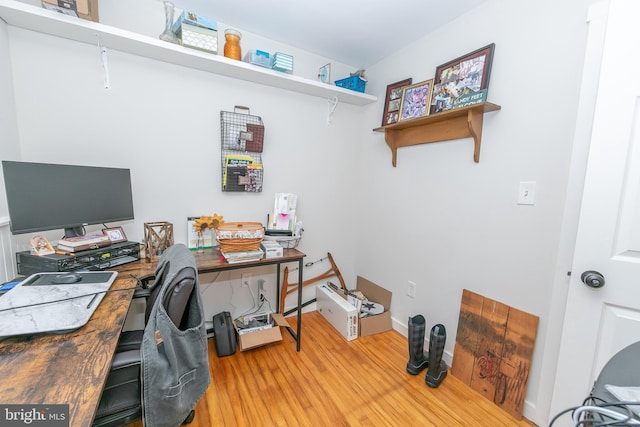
x=168 y=371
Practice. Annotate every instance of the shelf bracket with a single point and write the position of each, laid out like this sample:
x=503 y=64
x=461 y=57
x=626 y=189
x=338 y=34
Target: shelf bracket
x=105 y=64
x=474 y=120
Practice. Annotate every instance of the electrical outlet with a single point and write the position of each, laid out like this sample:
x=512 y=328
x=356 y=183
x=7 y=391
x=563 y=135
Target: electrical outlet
x=245 y=279
x=261 y=290
x=411 y=289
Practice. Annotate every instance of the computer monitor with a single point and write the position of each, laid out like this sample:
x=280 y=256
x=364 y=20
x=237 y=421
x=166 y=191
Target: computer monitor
x=43 y=196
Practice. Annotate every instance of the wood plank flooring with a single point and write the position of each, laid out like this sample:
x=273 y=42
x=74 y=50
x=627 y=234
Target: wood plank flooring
x=332 y=382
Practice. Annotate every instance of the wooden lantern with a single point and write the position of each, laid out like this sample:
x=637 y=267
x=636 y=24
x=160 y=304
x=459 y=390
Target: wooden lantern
x=158 y=236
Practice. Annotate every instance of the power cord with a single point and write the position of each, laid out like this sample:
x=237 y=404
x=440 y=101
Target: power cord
x=584 y=415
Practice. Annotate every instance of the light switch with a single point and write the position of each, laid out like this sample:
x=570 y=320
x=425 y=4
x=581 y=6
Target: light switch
x=527 y=193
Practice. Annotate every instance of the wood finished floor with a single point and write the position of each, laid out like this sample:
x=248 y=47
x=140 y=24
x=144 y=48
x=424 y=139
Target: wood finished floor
x=332 y=382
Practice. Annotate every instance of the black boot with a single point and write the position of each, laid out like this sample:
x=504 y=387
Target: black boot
x=418 y=359
x=437 y=367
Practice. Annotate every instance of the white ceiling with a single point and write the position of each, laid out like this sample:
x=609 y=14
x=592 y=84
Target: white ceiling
x=354 y=32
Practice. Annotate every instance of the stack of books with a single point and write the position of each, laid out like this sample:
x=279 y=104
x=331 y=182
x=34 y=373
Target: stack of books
x=236 y=257
x=83 y=243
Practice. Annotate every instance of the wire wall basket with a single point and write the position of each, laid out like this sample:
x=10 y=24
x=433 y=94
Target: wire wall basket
x=242 y=139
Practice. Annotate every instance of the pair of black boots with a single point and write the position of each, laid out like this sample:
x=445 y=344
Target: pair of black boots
x=431 y=360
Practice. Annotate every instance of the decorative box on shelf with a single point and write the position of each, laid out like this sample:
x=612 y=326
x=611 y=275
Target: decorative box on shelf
x=258 y=57
x=85 y=9
x=197 y=32
x=282 y=62
x=356 y=83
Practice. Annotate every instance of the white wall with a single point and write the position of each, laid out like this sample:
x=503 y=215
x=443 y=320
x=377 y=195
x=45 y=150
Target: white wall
x=438 y=218
x=9 y=150
x=163 y=122
x=447 y=223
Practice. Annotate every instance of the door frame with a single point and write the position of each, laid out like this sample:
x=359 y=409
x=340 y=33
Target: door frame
x=596 y=18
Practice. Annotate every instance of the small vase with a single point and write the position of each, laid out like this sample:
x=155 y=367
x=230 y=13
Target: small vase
x=232 y=45
x=168 y=35
x=200 y=243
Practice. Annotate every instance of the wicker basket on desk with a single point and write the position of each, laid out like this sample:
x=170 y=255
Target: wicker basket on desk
x=239 y=236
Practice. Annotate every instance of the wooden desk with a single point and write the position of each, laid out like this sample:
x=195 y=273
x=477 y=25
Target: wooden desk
x=210 y=261
x=72 y=368
x=68 y=368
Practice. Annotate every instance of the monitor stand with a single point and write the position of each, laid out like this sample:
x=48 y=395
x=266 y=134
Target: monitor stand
x=74 y=231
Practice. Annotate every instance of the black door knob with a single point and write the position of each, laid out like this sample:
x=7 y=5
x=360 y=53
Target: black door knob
x=592 y=279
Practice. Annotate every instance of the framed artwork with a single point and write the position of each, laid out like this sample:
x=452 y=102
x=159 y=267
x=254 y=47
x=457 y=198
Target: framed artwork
x=392 y=101
x=467 y=75
x=41 y=246
x=416 y=100
x=324 y=74
x=116 y=234
x=441 y=99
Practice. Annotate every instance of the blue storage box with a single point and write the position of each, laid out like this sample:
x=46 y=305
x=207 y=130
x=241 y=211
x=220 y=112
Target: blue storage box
x=356 y=83
x=258 y=57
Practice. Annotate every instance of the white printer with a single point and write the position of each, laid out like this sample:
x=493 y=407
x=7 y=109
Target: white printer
x=342 y=315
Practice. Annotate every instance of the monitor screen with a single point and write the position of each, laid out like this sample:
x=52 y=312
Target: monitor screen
x=43 y=196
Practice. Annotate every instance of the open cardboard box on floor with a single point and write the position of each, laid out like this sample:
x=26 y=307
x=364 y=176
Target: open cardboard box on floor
x=266 y=336
x=381 y=322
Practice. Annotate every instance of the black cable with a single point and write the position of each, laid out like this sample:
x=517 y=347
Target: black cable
x=68 y=299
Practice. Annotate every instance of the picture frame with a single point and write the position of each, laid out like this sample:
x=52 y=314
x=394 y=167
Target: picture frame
x=416 y=100
x=41 y=246
x=324 y=74
x=392 y=101
x=116 y=234
x=467 y=75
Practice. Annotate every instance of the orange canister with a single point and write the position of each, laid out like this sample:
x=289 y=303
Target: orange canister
x=232 y=44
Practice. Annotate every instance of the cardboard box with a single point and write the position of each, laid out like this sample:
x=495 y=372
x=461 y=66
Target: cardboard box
x=263 y=337
x=381 y=322
x=340 y=314
x=85 y=9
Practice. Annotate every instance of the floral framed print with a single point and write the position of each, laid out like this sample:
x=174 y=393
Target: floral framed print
x=416 y=100
x=392 y=101
x=465 y=80
x=116 y=234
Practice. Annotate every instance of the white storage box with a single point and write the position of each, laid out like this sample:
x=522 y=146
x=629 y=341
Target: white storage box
x=272 y=249
x=342 y=315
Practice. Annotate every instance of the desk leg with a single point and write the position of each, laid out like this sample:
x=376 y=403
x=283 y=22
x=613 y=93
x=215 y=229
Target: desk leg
x=300 y=267
x=278 y=288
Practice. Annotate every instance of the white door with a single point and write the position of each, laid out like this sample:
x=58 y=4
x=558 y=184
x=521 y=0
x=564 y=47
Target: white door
x=601 y=321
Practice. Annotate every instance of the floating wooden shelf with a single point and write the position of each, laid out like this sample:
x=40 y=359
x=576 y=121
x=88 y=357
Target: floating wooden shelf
x=452 y=124
x=45 y=21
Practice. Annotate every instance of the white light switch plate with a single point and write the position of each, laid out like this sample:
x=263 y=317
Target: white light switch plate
x=527 y=193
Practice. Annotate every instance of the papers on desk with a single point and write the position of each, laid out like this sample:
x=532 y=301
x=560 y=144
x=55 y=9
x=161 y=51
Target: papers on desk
x=237 y=257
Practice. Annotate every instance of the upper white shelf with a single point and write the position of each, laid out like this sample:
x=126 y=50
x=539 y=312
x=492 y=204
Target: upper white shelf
x=56 y=24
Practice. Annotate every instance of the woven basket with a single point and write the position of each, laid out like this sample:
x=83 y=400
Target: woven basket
x=239 y=236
